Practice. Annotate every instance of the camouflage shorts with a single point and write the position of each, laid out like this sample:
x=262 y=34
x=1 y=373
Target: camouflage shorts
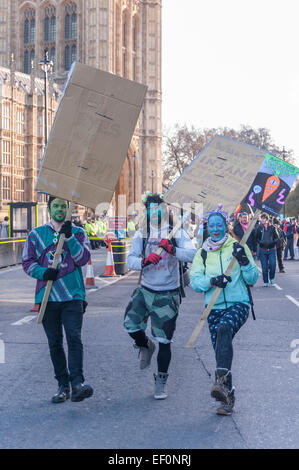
x=162 y=308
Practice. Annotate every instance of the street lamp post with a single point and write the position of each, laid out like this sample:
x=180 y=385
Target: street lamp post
x=46 y=66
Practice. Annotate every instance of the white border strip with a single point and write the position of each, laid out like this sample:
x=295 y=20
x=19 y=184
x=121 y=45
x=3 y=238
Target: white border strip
x=293 y=300
x=24 y=320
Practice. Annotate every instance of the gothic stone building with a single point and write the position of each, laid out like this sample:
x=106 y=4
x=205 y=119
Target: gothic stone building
x=119 y=36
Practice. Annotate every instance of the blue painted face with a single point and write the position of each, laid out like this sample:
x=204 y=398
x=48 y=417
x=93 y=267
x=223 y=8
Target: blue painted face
x=217 y=227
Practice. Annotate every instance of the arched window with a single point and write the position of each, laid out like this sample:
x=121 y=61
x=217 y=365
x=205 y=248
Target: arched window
x=74 y=53
x=26 y=31
x=32 y=58
x=67 y=26
x=67 y=58
x=32 y=31
x=47 y=28
x=26 y=61
x=53 y=28
x=53 y=58
x=70 y=34
x=50 y=32
x=29 y=39
x=74 y=26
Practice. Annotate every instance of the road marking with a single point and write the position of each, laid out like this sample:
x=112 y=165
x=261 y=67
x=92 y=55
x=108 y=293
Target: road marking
x=17 y=301
x=102 y=280
x=109 y=283
x=277 y=287
x=24 y=320
x=5 y=270
x=293 y=300
x=2 y=351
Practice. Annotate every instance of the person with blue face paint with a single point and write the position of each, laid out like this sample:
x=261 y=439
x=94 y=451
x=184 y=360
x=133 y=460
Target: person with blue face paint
x=231 y=309
x=158 y=294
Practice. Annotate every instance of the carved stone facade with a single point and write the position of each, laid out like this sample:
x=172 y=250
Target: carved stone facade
x=120 y=36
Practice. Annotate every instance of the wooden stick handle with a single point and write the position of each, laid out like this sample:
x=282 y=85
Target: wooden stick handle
x=54 y=265
x=218 y=290
x=175 y=229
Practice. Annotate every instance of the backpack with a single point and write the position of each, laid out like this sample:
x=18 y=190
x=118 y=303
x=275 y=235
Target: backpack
x=204 y=259
x=183 y=268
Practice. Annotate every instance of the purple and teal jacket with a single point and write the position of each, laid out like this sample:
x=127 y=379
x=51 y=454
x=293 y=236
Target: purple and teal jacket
x=38 y=256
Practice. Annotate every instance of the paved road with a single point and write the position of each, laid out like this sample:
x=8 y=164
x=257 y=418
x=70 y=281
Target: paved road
x=122 y=414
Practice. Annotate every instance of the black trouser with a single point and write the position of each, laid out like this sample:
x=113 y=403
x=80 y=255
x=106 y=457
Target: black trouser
x=279 y=252
x=290 y=246
x=68 y=315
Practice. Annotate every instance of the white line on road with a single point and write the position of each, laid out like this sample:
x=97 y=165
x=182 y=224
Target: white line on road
x=293 y=300
x=277 y=287
x=109 y=283
x=17 y=301
x=24 y=320
x=5 y=270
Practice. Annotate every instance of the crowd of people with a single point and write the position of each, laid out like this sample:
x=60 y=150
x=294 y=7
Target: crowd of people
x=160 y=288
x=271 y=241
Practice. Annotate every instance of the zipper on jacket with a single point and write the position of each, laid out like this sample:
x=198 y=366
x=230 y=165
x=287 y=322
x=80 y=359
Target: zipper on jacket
x=222 y=273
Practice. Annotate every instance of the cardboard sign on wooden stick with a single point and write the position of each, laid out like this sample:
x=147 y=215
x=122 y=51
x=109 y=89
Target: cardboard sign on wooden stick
x=90 y=136
x=89 y=140
x=221 y=173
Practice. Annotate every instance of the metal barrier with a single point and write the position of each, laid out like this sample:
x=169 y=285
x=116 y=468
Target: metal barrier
x=11 y=251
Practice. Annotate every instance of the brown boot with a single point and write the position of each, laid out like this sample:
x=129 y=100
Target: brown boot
x=223 y=391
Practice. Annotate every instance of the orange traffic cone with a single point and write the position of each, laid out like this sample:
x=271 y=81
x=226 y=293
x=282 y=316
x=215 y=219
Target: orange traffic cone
x=35 y=308
x=109 y=271
x=89 y=279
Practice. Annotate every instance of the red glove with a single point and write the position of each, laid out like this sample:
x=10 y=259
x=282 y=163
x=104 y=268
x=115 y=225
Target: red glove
x=167 y=246
x=153 y=258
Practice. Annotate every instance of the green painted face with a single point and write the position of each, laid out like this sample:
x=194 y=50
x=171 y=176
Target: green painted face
x=58 y=210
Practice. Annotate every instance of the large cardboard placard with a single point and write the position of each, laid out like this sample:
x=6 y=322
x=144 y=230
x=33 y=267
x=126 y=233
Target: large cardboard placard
x=90 y=136
x=272 y=185
x=221 y=174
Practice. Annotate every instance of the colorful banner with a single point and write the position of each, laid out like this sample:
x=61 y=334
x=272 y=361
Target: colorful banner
x=272 y=185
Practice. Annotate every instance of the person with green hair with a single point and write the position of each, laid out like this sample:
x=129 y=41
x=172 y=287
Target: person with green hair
x=158 y=295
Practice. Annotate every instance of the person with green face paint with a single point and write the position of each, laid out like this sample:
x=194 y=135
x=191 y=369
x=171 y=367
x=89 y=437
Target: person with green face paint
x=231 y=309
x=158 y=295
x=66 y=303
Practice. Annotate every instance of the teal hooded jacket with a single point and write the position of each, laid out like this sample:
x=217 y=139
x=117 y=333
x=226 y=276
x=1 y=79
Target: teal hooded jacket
x=216 y=264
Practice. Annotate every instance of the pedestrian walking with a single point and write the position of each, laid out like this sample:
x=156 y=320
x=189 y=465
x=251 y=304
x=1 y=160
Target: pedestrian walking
x=289 y=229
x=240 y=228
x=158 y=295
x=232 y=306
x=66 y=303
x=5 y=228
x=280 y=246
x=267 y=239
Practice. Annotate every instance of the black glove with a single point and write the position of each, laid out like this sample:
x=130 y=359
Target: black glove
x=66 y=229
x=50 y=274
x=220 y=281
x=240 y=254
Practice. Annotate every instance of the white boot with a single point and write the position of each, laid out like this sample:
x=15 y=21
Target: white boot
x=160 y=385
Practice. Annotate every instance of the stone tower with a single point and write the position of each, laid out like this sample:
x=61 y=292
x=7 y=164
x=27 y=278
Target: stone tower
x=119 y=36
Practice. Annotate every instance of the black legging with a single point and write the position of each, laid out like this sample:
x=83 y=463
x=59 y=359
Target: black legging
x=164 y=354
